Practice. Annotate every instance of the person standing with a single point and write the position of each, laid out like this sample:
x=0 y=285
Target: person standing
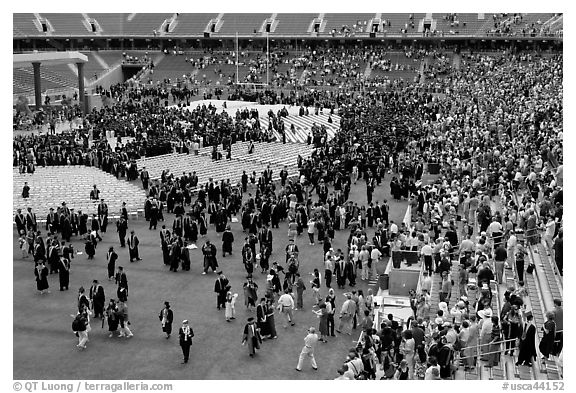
x=98 y=299
x=64 y=273
x=26 y=190
x=122 y=281
x=112 y=317
x=227 y=240
x=186 y=333
x=123 y=319
x=41 y=273
x=122 y=228
x=286 y=307
x=221 y=287
x=300 y=288
x=252 y=337
x=230 y=312
x=310 y=342
x=559 y=320
x=269 y=310
x=111 y=257
x=133 y=247
x=166 y=317
x=527 y=346
x=347 y=312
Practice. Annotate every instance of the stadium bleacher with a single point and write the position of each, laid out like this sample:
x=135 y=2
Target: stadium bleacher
x=244 y=24
x=292 y=24
x=66 y=24
x=49 y=184
x=191 y=24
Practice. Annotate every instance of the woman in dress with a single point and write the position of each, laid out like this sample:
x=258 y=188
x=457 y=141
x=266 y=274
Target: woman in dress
x=546 y=346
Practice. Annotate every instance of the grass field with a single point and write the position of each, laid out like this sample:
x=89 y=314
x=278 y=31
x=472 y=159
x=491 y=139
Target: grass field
x=45 y=347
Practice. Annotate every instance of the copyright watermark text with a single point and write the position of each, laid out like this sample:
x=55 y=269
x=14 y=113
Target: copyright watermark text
x=79 y=386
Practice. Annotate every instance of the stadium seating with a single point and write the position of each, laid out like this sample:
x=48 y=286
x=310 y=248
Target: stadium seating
x=303 y=125
x=293 y=24
x=274 y=154
x=66 y=24
x=111 y=24
x=23 y=25
x=144 y=24
x=49 y=184
x=336 y=21
x=244 y=24
x=191 y=24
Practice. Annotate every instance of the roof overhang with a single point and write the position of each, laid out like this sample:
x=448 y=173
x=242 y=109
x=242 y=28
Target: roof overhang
x=48 y=58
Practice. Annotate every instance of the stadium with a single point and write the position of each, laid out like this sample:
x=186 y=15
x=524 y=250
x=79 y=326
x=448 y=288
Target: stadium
x=363 y=196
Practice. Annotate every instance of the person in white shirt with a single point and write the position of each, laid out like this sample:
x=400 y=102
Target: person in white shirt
x=393 y=228
x=363 y=256
x=375 y=255
x=426 y=282
x=311 y=225
x=310 y=342
x=286 y=307
x=426 y=253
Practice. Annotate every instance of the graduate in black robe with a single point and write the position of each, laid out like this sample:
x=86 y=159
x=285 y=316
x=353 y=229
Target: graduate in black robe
x=221 y=220
x=41 y=273
x=98 y=299
x=227 y=240
x=64 y=273
x=111 y=257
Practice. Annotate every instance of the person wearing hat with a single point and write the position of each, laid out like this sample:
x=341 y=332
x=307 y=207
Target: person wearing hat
x=20 y=222
x=251 y=337
x=52 y=223
x=103 y=215
x=144 y=177
x=133 y=247
x=227 y=240
x=166 y=317
x=221 y=288
x=186 y=333
x=97 y=299
x=310 y=342
x=210 y=261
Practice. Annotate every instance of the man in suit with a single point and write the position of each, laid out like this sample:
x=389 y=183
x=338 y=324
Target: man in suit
x=527 y=345
x=221 y=287
x=133 y=247
x=340 y=270
x=186 y=333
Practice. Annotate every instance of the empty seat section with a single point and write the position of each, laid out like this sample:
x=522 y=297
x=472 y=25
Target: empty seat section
x=242 y=24
x=291 y=24
x=192 y=24
x=67 y=24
